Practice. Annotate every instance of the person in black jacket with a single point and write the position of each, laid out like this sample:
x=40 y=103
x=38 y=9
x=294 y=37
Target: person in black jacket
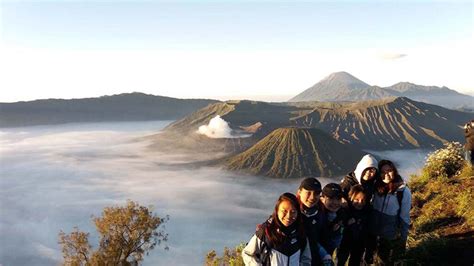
x=355 y=228
x=308 y=194
x=469 y=146
x=334 y=215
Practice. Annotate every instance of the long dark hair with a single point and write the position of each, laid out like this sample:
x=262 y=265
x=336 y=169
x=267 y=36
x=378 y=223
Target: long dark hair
x=384 y=188
x=275 y=230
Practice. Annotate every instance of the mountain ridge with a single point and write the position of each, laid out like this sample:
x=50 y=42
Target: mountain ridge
x=339 y=90
x=119 y=107
x=388 y=123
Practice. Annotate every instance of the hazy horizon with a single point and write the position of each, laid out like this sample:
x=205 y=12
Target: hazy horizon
x=263 y=98
x=56 y=177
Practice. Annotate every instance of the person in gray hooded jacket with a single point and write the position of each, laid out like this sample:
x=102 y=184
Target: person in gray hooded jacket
x=389 y=220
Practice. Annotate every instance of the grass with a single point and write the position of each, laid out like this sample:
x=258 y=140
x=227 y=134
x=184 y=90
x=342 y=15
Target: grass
x=442 y=213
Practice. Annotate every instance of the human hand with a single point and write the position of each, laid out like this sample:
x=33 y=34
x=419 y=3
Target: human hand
x=351 y=221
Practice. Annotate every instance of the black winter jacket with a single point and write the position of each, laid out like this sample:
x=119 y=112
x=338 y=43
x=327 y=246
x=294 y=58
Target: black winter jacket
x=314 y=222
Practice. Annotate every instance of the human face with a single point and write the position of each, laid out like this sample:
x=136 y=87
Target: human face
x=332 y=204
x=387 y=173
x=287 y=213
x=309 y=198
x=358 y=201
x=369 y=173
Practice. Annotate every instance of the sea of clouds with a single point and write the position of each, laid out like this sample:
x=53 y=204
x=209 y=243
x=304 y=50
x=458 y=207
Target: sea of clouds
x=55 y=177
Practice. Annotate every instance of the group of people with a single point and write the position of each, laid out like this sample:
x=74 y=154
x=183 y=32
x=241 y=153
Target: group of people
x=366 y=216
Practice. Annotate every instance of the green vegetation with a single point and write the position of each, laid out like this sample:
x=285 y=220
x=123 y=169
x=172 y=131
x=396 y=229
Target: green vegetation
x=230 y=257
x=125 y=235
x=443 y=210
x=442 y=214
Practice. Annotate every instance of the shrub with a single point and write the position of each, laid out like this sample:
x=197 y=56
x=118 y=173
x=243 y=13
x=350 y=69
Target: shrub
x=230 y=257
x=445 y=162
x=126 y=234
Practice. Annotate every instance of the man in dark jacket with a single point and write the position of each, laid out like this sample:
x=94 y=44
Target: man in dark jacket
x=469 y=146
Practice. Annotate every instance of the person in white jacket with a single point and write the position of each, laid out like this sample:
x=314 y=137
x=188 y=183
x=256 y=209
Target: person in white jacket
x=389 y=220
x=281 y=239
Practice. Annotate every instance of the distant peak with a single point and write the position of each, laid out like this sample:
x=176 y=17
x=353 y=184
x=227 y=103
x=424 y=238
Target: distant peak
x=343 y=77
x=404 y=84
x=340 y=74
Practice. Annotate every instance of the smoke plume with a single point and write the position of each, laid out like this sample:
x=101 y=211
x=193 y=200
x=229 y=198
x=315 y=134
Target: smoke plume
x=217 y=128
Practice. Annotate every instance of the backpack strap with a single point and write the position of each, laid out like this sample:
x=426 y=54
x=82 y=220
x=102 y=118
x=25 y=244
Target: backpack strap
x=265 y=247
x=400 y=198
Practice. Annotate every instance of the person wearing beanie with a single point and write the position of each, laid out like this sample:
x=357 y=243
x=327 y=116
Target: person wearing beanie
x=334 y=215
x=364 y=174
x=308 y=194
x=389 y=219
x=280 y=240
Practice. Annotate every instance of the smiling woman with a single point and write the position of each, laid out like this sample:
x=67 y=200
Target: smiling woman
x=390 y=218
x=281 y=239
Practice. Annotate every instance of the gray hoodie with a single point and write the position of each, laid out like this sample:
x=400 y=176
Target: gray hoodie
x=384 y=220
x=354 y=178
x=368 y=161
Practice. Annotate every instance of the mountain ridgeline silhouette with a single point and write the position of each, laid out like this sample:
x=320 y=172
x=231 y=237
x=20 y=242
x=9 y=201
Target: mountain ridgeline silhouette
x=121 y=107
x=294 y=153
x=342 y=86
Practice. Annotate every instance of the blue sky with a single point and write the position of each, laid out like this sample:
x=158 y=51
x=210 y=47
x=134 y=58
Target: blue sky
x=254 y=48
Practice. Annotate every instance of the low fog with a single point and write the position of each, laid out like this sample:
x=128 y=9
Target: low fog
x=54 y=178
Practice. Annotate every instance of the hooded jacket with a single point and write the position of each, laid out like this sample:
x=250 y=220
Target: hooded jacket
x=355 y=177
x=289 y=253
x=388 y=219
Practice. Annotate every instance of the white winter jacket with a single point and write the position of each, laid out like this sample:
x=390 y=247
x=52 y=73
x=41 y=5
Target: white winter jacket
x=287 y=255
